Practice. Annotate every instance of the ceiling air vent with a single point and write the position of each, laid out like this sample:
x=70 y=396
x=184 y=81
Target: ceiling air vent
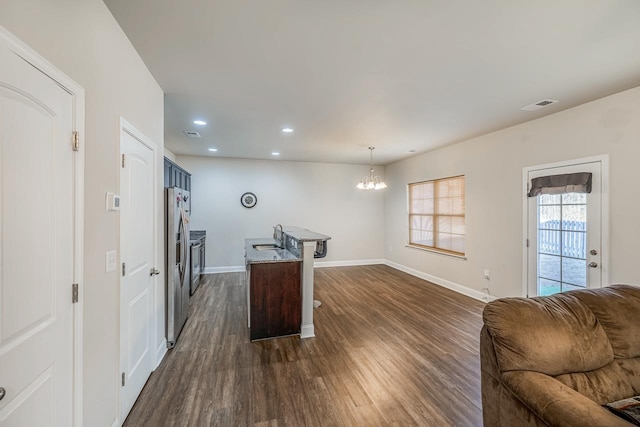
x=191 y=134
x=538 y=105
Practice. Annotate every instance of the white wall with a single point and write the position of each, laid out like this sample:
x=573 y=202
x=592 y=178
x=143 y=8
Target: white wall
x=318 y=196
x=81 y=38
x=493 y=167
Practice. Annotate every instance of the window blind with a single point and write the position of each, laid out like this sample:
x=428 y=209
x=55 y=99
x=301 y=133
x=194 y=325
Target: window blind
x=437 y=214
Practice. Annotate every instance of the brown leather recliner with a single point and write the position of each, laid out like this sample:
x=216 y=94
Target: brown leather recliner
x=553 y=361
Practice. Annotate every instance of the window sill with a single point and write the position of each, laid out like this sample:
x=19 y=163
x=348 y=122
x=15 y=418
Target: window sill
x=435 y=251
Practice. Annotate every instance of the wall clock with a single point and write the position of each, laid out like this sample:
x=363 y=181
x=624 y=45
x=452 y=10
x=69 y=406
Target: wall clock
x=248 y=200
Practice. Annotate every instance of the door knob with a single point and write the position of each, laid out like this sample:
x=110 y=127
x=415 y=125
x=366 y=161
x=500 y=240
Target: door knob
x=593 y=252
x=154 y=272
x=593 y=264
x=2 y=393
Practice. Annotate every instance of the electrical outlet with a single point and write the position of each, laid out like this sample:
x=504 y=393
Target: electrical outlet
x=486 y=274
x=111 y=261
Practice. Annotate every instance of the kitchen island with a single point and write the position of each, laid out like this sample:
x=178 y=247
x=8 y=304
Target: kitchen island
x=274 y=296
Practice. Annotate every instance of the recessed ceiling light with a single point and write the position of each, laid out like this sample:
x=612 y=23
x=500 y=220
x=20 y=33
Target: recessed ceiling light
x=199 y=122
x=213 y=149
x=275 y=153
x=287 y=130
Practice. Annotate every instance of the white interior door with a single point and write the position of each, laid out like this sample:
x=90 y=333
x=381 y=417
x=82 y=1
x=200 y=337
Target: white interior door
x=137 y=231
x=565 y=235
x=37 y=214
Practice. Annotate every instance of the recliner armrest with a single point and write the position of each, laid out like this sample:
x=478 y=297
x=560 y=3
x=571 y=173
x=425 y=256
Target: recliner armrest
x=556 y=404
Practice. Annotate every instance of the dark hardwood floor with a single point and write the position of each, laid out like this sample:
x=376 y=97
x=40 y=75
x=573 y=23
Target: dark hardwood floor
x=390 y=349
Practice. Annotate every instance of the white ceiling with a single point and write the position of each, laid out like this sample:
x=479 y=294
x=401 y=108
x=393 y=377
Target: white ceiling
x=348 y=74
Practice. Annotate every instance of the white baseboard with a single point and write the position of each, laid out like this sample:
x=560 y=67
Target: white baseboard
x=480 y=296
x=321 y=264
x=461 y=289
x=228 y=269
x=307 y=331
x=160 y=352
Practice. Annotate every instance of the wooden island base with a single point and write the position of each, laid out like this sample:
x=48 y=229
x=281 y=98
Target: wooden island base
x=275 y=299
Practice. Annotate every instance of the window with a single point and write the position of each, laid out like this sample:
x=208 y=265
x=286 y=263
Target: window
x=562 y=242
x=436 y=215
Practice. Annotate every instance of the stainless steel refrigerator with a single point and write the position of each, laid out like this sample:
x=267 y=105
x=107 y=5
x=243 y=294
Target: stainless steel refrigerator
x=177 y=262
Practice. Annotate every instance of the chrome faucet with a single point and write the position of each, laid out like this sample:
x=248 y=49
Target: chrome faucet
x=275 y=234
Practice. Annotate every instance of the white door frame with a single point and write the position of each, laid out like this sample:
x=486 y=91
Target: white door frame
x=77 y=93
x=128 y=128
x=604 y=261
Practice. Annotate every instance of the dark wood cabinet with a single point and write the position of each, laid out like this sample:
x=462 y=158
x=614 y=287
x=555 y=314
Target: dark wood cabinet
x=275 y=299
x=175 y=176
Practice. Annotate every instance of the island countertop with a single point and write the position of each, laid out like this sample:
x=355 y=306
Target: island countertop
x=304 y=235
x=254 y=256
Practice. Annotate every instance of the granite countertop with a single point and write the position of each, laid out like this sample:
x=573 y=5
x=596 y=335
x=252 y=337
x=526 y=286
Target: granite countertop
x=254 y=256
x=304 y=235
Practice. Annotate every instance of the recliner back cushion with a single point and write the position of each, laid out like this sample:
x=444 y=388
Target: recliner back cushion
x=617 y=308
x=553 y=335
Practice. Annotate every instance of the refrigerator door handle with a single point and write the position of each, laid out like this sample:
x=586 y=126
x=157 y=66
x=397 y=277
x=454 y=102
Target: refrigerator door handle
x=185 y=247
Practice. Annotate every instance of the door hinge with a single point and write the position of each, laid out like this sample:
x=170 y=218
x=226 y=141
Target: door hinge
x=74 y=293
x=527 y=242
x=124 y=269
x=75 y=143
x=124 y=160
x=123 y=379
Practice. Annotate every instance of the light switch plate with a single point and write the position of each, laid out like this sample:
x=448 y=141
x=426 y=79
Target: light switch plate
x=111 y=261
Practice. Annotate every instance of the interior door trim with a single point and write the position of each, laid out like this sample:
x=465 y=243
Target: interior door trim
x=76 y=91
x=604 y=238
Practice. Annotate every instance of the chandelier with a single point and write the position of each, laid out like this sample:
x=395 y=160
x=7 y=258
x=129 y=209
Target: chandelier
x=371 y=182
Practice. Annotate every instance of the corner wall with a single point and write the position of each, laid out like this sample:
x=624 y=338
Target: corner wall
x=493 y=164
x=318 y=196
x=81 y=38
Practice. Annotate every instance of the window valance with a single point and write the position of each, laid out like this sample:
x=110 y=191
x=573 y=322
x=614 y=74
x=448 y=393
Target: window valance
x=560 y=184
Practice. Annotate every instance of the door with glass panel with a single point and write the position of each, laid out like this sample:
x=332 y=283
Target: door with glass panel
x=564 y=229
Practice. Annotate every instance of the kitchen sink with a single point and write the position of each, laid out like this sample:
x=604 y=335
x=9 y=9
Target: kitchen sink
x=266 y=247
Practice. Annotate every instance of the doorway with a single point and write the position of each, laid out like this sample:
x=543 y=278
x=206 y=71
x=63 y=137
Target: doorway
x=565 y=229
x=138 y=231
x=41 y=217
